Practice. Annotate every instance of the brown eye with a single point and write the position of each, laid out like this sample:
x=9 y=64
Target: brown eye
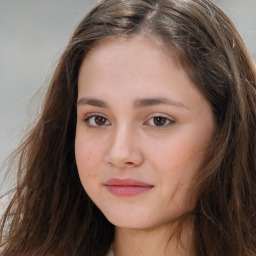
x=100 y=120
x=96 y=121
x=159 y=120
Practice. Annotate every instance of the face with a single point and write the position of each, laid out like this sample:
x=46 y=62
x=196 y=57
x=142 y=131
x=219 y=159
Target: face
x=143 y=130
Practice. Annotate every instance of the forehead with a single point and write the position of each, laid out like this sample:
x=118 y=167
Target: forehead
x=133 y=43
x=123 y=70
x=129 y=55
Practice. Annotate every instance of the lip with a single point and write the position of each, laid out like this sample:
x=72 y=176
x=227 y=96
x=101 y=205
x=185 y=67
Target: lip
x=127 y=187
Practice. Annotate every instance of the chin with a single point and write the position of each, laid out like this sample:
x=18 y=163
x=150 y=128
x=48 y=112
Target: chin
x=136 y=220
x=128 y=218
x=129 y=223
x=142 y=218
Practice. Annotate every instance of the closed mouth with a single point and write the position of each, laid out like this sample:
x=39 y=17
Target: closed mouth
x=127 y=187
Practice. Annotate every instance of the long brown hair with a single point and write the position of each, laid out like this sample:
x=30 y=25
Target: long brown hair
x=51 y=214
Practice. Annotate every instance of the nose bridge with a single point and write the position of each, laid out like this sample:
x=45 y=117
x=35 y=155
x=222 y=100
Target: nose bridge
x=123 y=136
x=124 y=150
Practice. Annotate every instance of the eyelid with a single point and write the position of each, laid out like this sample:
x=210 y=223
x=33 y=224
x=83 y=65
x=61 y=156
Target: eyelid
x=169 y=118
x=93 y=114
x=88 y=116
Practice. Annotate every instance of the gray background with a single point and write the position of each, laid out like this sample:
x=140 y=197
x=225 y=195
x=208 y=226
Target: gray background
x=33 y=34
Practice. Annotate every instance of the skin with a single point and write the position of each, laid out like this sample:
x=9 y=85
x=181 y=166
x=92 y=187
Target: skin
x=122 y=133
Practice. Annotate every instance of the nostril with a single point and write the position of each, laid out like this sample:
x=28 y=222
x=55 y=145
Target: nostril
x=129 y=163
x=124 y=159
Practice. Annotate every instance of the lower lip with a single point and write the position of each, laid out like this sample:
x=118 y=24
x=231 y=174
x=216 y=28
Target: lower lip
x=127 y=190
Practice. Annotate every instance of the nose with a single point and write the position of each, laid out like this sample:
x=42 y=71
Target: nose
x=124 y=150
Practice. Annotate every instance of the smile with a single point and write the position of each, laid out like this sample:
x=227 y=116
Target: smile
x=127 y=187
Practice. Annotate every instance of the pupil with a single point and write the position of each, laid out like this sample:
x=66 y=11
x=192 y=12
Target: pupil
x=99 y=120
x=159 y=120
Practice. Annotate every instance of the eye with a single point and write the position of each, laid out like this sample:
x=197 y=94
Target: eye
x=160 y=121
x=96 y=121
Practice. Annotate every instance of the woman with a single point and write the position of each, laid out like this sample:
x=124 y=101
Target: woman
x=146 y=141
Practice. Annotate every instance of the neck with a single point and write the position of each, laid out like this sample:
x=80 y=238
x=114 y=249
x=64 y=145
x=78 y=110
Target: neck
x=161 y=241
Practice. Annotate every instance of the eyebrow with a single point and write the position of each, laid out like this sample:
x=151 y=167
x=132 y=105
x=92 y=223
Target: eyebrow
x=92 y=102
x=138 y=103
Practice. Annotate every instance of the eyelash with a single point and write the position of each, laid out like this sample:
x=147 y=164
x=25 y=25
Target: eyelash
x=167 y=121
x=92 y=118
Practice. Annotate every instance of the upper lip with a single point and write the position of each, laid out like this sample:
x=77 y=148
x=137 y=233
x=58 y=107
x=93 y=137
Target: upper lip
x=127 y=182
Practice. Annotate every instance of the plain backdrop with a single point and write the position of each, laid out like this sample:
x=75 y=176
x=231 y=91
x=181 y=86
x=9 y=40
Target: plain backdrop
x=33 y=34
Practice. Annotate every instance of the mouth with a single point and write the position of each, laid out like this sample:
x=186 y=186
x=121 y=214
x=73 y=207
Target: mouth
x=127 y=187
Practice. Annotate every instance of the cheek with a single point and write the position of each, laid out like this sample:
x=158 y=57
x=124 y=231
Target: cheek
x=181 y=154
x=176 y=162
x=87 y=157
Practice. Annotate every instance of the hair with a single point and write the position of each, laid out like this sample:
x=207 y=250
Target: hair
x=51 y=214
